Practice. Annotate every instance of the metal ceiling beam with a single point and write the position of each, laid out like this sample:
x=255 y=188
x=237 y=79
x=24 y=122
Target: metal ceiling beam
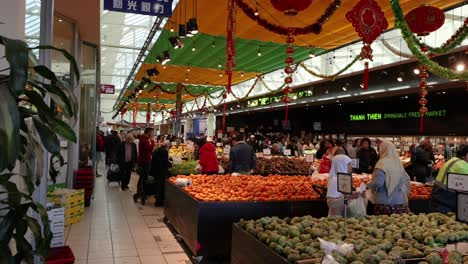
x=141 y=55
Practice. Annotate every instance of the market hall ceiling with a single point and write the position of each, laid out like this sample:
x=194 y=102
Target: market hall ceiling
x=202 y=59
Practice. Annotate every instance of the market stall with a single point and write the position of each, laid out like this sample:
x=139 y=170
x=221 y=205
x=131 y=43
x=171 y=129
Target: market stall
x=203 y=213
x=376 y=239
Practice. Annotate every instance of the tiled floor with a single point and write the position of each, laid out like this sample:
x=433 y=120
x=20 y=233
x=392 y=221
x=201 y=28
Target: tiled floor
x=115 y=230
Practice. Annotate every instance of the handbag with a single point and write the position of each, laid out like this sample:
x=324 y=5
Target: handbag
x=325 y=165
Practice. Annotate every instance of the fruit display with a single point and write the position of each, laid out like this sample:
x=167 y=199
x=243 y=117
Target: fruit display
x=181 y=151
x=275 y=165
x=375 y=239
x=185 y=168
x=270 y=188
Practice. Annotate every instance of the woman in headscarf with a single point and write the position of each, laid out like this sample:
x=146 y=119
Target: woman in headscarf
x=335 y=200
x=127 y=158
x=390 y=183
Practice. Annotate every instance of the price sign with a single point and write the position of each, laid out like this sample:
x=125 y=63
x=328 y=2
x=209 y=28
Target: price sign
x=457 y=182
x=462 y=207
x=287 y=152
x=190 y=146
x=267 y=151
x=345 y=183
x=219 y=144
x=309 y=158
x=355 y=163
x=174 y=144
x=227 y=150
x=220 y=135
x=242 y=130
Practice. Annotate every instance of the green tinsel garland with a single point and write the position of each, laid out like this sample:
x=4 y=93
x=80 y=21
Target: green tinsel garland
x=331 y=77
x=415 y=49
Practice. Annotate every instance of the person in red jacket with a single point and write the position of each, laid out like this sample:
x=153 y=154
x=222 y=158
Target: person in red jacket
x=145 y=151
x=99 y=149
x=208 y=160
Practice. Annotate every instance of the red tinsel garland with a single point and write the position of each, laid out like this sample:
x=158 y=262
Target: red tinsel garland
x=315 y=28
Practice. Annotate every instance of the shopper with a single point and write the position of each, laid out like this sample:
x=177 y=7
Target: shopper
x=159 y=169
x=242 y=157
x=108 y=147
x=331 y=147
x=208 y=159
x=357 y=144
x=145 y=151
x=442 y=199
x=367 y=157
x=340 y=148
x=423 y=160
x=292 y=146
x=390 y=184
x=114 y=143
x=253 y=143
x=321 y=150
x=99 y=149
x=127 y=158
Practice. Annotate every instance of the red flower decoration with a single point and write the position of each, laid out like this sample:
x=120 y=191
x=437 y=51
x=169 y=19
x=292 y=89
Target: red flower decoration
x=425 y=19
x=368 y=20
x=291 y=7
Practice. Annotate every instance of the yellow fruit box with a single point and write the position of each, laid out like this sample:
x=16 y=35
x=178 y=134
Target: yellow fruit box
x=73 y=219
x=74 y=209
x=66 y=197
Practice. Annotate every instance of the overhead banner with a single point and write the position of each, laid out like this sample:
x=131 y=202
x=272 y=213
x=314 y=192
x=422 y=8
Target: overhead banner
x=162 y=8
x=107 y=89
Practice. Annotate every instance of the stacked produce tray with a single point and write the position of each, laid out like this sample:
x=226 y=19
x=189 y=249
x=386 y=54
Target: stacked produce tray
x=84 y=179
x=206 y=226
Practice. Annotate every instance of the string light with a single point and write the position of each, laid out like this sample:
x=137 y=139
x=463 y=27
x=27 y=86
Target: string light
x=460 y=67
x=259 y=53
x=416 y=71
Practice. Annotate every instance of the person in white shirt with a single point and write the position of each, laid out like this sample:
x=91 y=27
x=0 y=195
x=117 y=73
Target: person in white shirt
x=335 y=200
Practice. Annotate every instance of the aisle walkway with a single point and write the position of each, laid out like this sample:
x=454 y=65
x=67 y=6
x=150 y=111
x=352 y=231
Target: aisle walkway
x=115 y=230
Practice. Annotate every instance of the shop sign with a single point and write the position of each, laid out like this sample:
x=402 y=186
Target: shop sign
x=162 y=8
x=107 y=89
x=403 y=115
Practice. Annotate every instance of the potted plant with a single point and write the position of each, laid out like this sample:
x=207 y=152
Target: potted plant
x=24 y=114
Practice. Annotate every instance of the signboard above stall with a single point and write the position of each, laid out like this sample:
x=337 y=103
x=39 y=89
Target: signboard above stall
x=162 y=8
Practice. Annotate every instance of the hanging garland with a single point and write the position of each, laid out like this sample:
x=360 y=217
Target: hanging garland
x=315 y=28
x=331 y=77
x=217 y=97
x=211 y=103
x=396 y=51
x=413 y=46
x=272 y=90
x=454 y=41
x=248 y=93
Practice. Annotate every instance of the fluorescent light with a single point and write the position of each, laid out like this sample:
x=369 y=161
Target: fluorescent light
x=343 y=96
x=373 y=92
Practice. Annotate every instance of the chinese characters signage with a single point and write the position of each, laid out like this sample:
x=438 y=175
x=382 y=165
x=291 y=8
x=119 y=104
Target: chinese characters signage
x=107 y=89
x=380 y=116
x=161 y=8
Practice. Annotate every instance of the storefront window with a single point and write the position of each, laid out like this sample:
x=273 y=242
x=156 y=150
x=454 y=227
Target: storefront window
x=89 y=97
x=33 y=24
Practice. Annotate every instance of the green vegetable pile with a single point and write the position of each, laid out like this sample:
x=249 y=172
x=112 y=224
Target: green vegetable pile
x=376 y=239
x=186 y=168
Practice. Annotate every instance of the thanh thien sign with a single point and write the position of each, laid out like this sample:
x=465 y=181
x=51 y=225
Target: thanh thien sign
x=401 y=115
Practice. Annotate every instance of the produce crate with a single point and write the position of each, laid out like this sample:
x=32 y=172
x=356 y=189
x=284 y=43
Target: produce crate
x=246 y=249
x=206 y=227
x=67 y=199
x=74 y=218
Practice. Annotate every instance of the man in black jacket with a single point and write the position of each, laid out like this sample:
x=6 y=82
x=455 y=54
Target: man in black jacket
x=127 y=158
x=159 y=169
x=242 y=157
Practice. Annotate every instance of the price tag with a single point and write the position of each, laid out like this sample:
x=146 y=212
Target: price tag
x=309 y=158
x=267 y=151
x=355 y=163
x=228 y=129
x=345 y=183
x=242 y=130
x=220 y=135
x=462 y=207
x=174 y=144
x=219 y=144
x=227 y=150
x=457 y=182
x=287 y=152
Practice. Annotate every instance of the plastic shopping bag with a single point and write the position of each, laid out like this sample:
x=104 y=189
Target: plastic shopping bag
x=328 y=248
x=357 y=207
x=198 y=168
x=325 y=165
x=220 y=170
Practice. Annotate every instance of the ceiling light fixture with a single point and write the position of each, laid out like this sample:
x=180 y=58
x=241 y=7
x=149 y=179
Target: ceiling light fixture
x=176 y=42
x=460 y=66
x=192 y=26
x=344 y=88
x=416 y=71
x=193 y=48
x=259 y=53
x=400 y=76
x=311 y=54
x=188 y=69
x=152 y=72
x=256 y=12
x=182 y=31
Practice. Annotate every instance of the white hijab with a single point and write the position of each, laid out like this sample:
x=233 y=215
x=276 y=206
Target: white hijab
x=390 y=163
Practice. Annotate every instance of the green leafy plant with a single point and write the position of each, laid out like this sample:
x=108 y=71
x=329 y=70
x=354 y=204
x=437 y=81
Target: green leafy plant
x=25 y=112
